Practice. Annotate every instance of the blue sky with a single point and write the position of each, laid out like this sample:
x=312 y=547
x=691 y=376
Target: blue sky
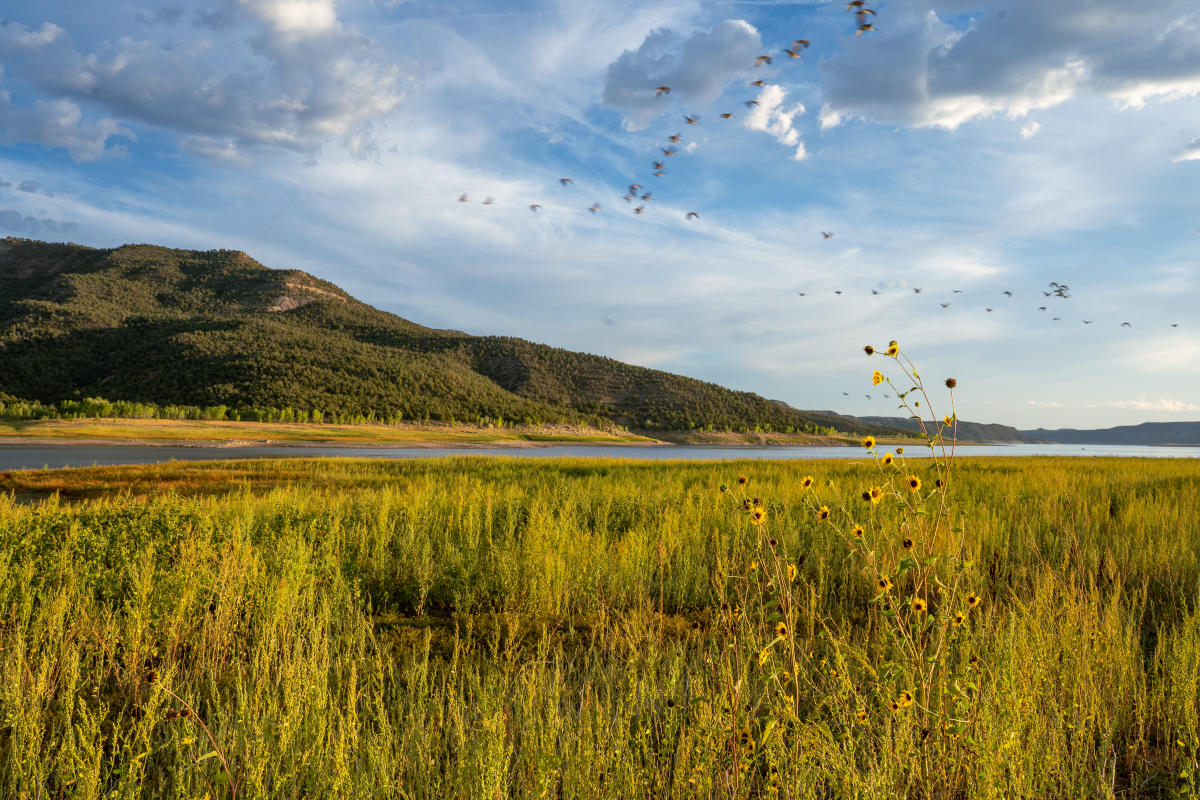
x=974 y=146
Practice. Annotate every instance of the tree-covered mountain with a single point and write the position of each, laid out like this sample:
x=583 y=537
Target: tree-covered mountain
x=151 y=324
x=983 y=432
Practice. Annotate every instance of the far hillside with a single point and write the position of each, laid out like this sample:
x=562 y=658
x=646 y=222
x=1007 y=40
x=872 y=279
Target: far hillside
x=148 y=324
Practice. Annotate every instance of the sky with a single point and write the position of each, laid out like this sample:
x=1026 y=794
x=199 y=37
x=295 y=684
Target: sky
x=961 y=148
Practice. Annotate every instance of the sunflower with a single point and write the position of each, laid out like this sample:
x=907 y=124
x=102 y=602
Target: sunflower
x=973 y=600
x=876 y=494
x=857 y=531
x=888 y=459
x=823 y=513
x=764 y=656
x=877 y=378
x=868 y=442
x=861 y=715
x=742 y=480
x=806 y=481
x=895 y=706
x=914 y=483
x=959 y=619
x=918 y=605
x=949 y=420
x=792 y=571
x=893 y=349
x=883 y=583
x=905 y=699
x=908 y=544
x=869 y=350
x=899 y=451
x=759 y=515
x=780 y=629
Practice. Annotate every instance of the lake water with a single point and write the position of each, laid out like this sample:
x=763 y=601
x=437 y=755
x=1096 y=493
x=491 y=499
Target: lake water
x=20 y=456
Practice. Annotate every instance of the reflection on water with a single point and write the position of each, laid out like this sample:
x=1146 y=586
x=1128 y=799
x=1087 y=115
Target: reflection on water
x=38 y=456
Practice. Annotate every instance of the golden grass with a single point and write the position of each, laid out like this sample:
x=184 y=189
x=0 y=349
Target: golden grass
x=555 y=628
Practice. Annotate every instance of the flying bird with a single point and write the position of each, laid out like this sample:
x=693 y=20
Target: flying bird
x=1057 y=319
x=639 y=210
x=629 y=197
x=1008 y=293
x=988 y=310
x=674 y=138
x=462 y=198
x=633 y=188
x=916 y=291
x=661 y=90
x=793 y=53
x=594 y=207
x=693 y=215
x=796 y=45
x=945 y=305
x=853 y=4
x=667 y=152
x=803 y=294
x=489 y=202
x=751 y=102
x=1087 y=322
x=646 y=197
x=826 y=235
x=727 y=116
x=837 y=291
x=534 y=207
x=1126 y=325
x=758 y=83
x=862 y=13
x=1041 y=308
x=874 y=291
x=659 y=165
x=866 y=26
x=758 y=62
x=565 y=181
x=1174 y=324
x=958 y=291
x=846 y=393
x=691 y=120
x=659 y=174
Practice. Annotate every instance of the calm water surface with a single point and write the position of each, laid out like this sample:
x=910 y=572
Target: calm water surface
x=39 y=456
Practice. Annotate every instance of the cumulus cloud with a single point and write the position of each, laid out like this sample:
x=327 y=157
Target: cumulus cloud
x=1191 y=152
x=927 y=70
x=14 y=222
x=1162 y=404
x=310 y=80
x=698 y=68
x=1030 y=129
x=770 y=116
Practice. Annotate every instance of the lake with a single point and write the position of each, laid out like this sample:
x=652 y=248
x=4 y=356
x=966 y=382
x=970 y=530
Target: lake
x=19 y=456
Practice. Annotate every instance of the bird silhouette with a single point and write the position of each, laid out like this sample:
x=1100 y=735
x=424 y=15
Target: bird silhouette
x=796 y=45
x=633 y=188
x=867 y=396
x=489 y=202
x=1057 y=319
x=462 y=198
x=863 y=28
x=674 y=138
x=846 y=393
x=691 y=120
x=874 y=291
x=535 y=207
x=758 y=83
x=853 y=4
x=988 y=310
x=945 y=305
x=646 y=196
x=661 y=90
x=826 y=235
x=659 y=174
x=692 y=215
x=916 y=291
x=1087 y=322
x=751 y=103
x=659 y=165
x=957 y=291
x=758 y=62
x=837 y=291
x=1041 y=308
x=639 y=210
x=667 y=152
x=803 y=294
x=629 y=197
x=1174 y=324
x=793 y=53
x=727 y=116
x=594 y=207
x=1008 y=293
x=1126 y=325
x=565 y=181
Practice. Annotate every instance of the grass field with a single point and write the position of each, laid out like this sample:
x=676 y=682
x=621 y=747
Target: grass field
x=169 y=431
x=495 y=628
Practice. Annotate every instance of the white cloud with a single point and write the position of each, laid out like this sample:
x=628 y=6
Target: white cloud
x=1190 y=152
x=305 y=80
x=928 y=71
x=697 y=68
x=1162 y=404
x=1030 y=129
x=770 y=116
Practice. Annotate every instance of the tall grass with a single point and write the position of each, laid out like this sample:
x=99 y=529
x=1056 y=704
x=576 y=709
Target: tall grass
x=502 y=628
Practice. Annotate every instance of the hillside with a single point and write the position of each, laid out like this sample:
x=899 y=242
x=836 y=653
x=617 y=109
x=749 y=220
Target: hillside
x=965 y=431
x=1148 y=433
x=155 y=325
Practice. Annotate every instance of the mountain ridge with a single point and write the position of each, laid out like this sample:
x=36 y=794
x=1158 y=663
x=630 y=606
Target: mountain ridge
x=152 y=324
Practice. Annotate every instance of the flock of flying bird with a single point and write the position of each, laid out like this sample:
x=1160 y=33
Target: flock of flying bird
x=637 y=192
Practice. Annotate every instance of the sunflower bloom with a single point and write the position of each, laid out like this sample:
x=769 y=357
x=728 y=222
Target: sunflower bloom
x=823 y=513
x=973 y=600
x=876 y=494
x=868 y=442
x=888 y=459
x=758 y=516
x=914 y=483
x=764 y=656
x=893 y=349
x=884 y=583
x=905 y=699
x=791 y=572
x=959 y=619
x=949 y=420
x=918 y=605
x=899 y=451
x=857 y=531
x=780 y=629
x=877 y=378
x=806 y=481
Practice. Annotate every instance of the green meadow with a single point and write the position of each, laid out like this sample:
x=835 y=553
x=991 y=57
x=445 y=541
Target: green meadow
x=504 y=628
